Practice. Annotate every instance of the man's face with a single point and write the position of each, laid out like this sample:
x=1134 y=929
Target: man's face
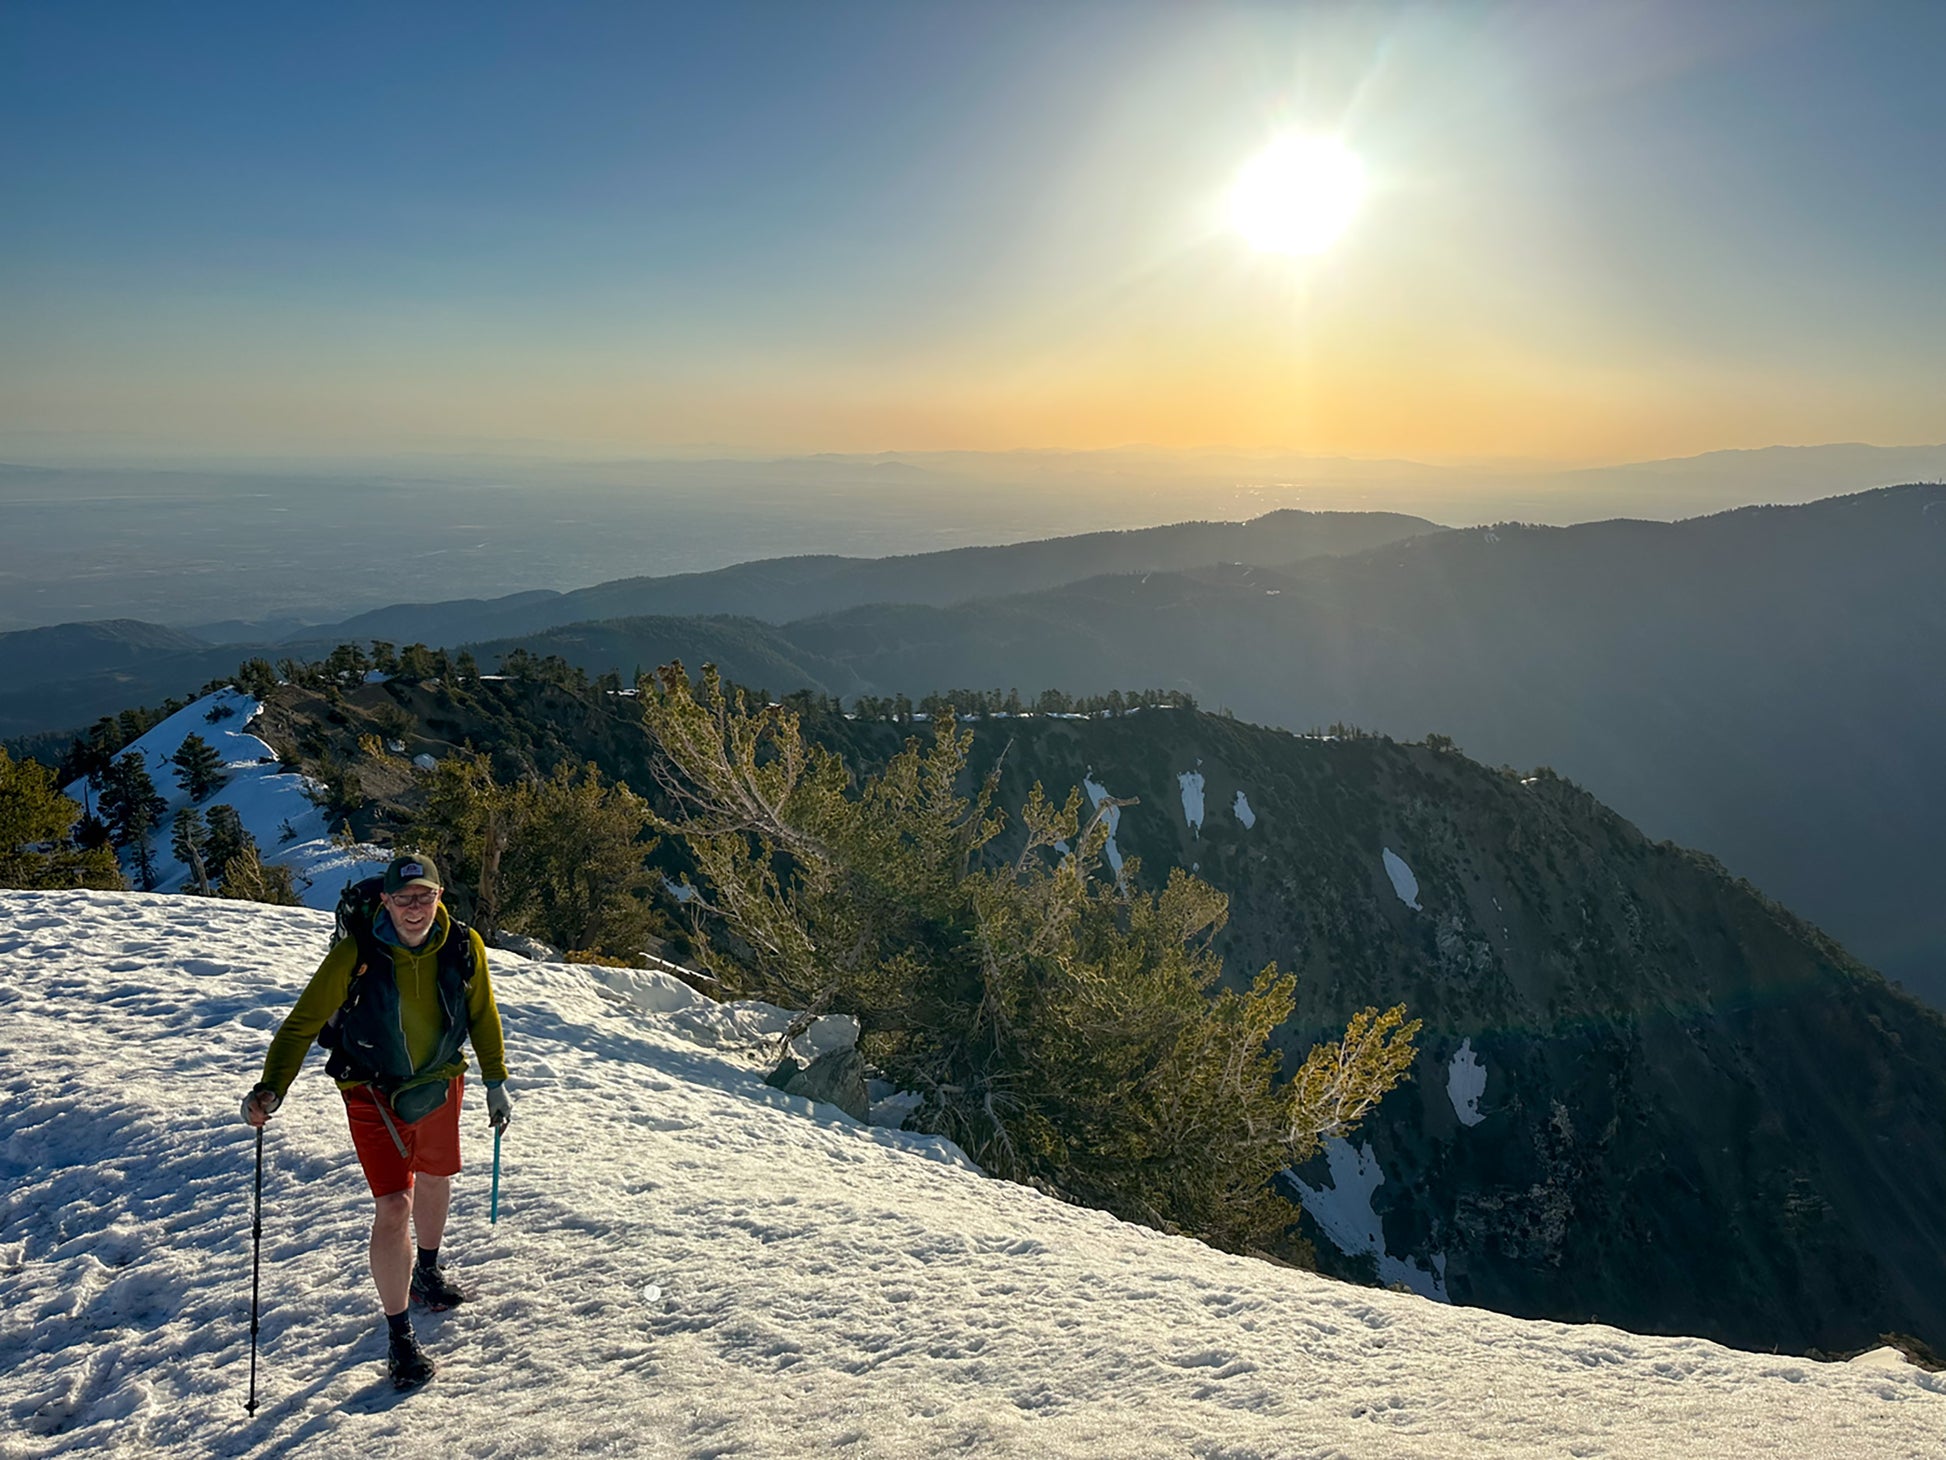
x=412 y=908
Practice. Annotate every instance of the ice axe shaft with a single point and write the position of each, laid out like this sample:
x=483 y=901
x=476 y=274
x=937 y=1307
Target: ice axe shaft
x=493 y=1212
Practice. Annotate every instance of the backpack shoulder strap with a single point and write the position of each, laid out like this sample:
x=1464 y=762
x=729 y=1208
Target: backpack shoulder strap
x=458 y=950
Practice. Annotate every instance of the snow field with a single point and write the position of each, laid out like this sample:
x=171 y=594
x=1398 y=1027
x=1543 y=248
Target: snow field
x=825 y=1287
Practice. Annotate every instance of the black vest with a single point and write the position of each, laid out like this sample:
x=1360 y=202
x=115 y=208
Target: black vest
x=366 y=1036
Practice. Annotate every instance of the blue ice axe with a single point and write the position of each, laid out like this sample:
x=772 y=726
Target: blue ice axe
x=493 y=1214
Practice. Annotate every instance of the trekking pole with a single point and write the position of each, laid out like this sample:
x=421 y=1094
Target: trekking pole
x=256 y=1268
x=493 y=1213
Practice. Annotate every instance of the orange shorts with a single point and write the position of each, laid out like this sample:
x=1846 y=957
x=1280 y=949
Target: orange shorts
x=431 y=1142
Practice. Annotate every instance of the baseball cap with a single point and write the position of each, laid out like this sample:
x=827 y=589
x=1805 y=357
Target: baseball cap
x=411 y=870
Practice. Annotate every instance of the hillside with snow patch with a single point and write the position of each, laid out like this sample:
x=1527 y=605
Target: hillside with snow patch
x=273 y=802
x=690 y=1263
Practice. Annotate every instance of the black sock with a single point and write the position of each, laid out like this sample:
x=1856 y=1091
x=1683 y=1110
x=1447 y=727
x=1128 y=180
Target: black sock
x=429 y=1258
x=400 y=1323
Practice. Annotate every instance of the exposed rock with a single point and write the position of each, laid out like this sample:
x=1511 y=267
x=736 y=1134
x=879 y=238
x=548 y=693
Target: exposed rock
x=532 y=949
x=836 y=1077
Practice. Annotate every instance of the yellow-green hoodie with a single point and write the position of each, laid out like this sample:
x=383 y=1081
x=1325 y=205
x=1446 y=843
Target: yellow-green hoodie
x=416 y=971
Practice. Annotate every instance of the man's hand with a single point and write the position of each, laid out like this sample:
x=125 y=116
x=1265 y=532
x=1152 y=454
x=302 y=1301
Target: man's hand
x=260 y=1104
x=499 y=1109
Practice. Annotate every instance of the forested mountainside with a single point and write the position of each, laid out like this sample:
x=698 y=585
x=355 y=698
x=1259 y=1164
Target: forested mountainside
x=1767 y=684
x=1644 y=1092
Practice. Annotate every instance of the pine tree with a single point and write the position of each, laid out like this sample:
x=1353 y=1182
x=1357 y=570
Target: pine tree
x=35 y=825
x=133 y=811
x=347 y=664
x=104 y=740
x=91 y=833
x=1066 y=1028
x=199 y=769
x=562 y=859
x=227 y=838
x=106 y=736
x=256 y=678
x=190 y=843
x=465 y=825
x=337 y=789
x=246 y=878
x=574 y=873
x=86 y=761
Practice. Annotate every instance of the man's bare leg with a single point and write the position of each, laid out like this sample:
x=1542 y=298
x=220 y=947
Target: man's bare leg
x=432 y=1199
x=391 y=1249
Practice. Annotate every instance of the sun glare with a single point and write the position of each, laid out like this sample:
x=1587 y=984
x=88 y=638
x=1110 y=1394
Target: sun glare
x=1298 y=195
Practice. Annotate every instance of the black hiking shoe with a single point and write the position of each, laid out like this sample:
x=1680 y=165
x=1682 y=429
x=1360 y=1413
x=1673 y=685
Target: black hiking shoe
x=431 y=1286
x=407 y=1362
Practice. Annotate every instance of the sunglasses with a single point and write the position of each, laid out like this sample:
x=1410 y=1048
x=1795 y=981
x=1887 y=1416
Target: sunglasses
x=415 y=900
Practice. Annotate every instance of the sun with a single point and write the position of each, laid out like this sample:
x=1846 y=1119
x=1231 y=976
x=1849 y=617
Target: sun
x=1297 y=196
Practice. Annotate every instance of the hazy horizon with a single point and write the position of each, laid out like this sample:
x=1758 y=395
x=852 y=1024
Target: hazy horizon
x=113 y=451
x=194 y=545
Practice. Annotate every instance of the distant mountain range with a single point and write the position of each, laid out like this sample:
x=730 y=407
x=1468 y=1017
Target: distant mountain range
x=65 y=676
x=783 y=589
x=1768 y=684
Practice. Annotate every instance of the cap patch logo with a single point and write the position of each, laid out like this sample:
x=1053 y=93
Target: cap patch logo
x=411 y=869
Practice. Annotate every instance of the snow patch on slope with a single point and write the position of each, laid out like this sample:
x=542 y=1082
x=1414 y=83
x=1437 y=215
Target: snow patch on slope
x=1191 y=783
x=273 y=804
x=1466 y=1082
x=1403 y=882
x=1343 y=1210
x=1113 y=816
x=1241 y=807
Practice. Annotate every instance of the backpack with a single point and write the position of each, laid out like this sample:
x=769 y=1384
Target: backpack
x=357 y=906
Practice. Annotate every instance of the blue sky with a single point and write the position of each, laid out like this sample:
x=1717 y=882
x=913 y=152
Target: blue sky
x=1594 y=231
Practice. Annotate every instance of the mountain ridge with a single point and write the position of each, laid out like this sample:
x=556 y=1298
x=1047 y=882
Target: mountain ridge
x=787 y=586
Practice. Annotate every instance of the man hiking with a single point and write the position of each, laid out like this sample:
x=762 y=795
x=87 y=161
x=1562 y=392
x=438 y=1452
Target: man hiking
x=394 y=1003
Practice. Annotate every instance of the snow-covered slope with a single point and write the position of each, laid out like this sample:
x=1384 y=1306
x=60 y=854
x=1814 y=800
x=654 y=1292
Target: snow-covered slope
x=690 y=1263
x=272 y=803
